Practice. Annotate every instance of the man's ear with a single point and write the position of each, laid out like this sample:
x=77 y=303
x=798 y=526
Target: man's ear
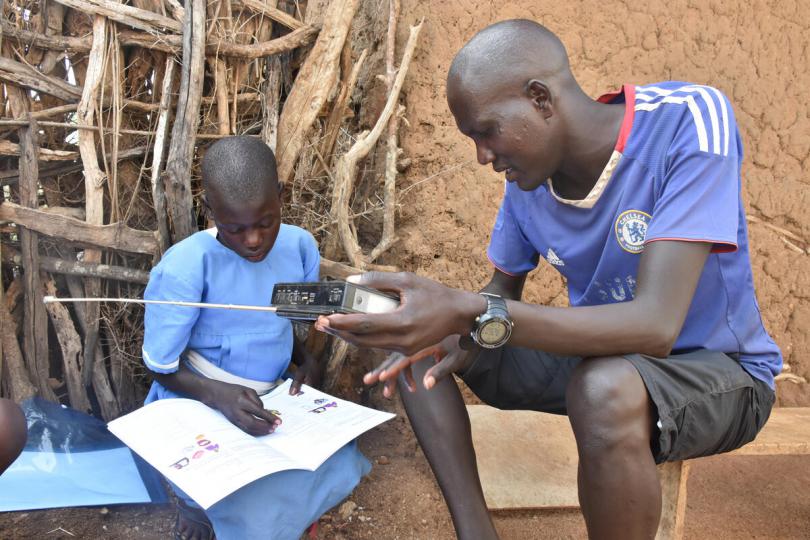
x=540 y=95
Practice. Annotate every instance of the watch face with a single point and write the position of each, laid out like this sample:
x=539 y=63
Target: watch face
x=493 y=331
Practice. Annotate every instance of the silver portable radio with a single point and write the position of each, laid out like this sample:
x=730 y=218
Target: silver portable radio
x=307 y=301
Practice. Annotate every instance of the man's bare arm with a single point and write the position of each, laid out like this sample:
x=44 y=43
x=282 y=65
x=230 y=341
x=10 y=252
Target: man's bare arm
x=506 y=285
x=650 y=323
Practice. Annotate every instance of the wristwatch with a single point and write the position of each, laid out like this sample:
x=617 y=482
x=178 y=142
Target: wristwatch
x=494 y=326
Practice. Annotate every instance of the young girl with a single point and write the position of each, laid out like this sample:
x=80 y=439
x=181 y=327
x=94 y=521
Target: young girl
x=225 y=358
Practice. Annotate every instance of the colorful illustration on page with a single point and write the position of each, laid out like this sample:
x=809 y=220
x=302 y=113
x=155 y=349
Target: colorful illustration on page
x=193 y=453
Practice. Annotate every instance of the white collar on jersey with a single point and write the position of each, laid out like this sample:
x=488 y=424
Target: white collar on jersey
x=598 y=188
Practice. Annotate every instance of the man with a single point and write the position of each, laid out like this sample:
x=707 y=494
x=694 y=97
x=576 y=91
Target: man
x=635 y=199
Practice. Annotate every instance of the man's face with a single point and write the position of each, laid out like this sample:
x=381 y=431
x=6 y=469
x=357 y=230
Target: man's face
x=251 y=229
x=509 y=131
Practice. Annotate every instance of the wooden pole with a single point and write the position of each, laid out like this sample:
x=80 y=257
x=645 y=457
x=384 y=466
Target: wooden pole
x=35 y=329
x=8 y=148
x=55 y=17
x=271 y=102
x=271 y=81
x=219 y=13
x=392 y=149
x=93 y=182
x=71 y=346
x=181 y=148
x=19 y=382
x=131 y=16
x=56 y=265
x=295 y=39
x=347 y=164
x=312 y=86
x=335 y=363
x=106 y=399
x=23 y=75
x=169 y=43
x=158 y=189
x=115 y=236
x=338 y=113
x=177 y=9
x=674 y=476
x=268 y=8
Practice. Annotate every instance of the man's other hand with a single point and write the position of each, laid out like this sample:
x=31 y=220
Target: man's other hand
x=448 y=356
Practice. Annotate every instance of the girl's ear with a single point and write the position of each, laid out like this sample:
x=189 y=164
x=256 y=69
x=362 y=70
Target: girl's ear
x=207 y=211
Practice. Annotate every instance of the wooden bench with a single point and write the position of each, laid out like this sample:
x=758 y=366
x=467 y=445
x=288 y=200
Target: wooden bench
x=528 y=460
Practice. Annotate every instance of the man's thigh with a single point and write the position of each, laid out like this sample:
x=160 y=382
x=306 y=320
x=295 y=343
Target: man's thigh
x=706 y=402
x=518 y=378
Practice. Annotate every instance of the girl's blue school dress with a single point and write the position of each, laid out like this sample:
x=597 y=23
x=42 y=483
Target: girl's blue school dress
x=252 y=345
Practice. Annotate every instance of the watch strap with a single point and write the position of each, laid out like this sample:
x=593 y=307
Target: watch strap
x=496 y=305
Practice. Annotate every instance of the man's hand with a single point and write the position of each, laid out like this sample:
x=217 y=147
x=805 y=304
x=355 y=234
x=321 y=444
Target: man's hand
x=242 y=406
x=428 y=313
x=309 y=373
x=449 y=358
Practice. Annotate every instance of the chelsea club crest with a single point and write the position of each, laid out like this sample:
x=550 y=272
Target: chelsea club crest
x=631 y=230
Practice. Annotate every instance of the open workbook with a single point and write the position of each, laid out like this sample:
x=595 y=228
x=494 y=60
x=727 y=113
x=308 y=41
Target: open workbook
x=198 y=449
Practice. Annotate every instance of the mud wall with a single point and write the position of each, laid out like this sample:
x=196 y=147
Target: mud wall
x=755 y=52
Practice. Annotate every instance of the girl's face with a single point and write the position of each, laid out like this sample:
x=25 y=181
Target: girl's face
x=250 y=230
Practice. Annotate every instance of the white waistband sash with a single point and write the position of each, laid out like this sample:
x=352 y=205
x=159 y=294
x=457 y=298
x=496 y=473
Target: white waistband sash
x=205 y=368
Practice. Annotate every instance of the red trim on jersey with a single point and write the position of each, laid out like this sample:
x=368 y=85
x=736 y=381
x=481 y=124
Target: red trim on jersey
x=629 y=92
x=717 y=247
x=501 y=269
x=610 y=96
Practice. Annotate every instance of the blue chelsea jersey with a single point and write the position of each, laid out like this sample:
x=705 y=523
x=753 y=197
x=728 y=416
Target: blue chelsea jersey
x=674 y=175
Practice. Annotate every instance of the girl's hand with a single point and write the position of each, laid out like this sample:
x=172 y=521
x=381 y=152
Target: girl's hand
x=244 y=409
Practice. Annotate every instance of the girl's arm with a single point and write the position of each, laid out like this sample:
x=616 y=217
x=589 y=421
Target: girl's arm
x=239 y=404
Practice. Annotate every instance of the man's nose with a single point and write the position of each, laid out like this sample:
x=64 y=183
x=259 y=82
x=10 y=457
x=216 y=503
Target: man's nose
x=484 y=154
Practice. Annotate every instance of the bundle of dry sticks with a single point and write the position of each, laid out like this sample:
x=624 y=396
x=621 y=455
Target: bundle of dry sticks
x=108 y=107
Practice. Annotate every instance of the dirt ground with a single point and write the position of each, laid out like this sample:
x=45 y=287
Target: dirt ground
x=756 y=52
x=730 y=498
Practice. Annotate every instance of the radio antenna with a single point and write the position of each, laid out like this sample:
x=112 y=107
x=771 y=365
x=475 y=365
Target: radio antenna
x=50 y=299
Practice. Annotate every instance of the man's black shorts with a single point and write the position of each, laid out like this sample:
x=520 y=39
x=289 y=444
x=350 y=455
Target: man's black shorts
x=706 y=402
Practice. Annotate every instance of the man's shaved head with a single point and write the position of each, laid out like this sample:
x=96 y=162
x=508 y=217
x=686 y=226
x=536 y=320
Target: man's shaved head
x=510 y=90
x=239 y=169
x=509 y=50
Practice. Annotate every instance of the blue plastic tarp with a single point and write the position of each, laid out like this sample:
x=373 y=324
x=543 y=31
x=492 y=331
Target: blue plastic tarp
x=71 y=459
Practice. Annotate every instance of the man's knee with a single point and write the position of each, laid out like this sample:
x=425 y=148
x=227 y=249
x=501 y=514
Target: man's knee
x=608 y=404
